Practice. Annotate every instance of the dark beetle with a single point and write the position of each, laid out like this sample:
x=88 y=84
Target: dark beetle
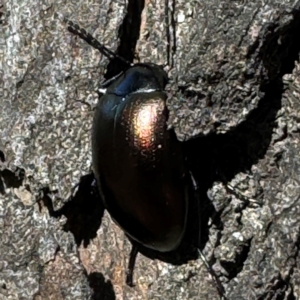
x=138 y=163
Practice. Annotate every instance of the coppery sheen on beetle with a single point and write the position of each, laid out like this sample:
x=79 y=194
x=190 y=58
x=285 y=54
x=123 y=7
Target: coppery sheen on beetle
x=138 y=163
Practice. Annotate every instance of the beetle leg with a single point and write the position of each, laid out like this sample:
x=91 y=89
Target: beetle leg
x=220 y=287
x=129 y=272
x=105 y=83
x=241 y=196
x=197 y=199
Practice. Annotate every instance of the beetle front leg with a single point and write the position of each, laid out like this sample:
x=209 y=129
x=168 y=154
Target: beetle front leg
x=107 y=82
x=131 y=264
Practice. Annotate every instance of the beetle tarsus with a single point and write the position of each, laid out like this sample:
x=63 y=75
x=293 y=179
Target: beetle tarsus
x=129 y=272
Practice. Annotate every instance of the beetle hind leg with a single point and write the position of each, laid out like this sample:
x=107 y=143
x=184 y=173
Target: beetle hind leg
x=219 y=285
x=220 y=288
x=131 y=264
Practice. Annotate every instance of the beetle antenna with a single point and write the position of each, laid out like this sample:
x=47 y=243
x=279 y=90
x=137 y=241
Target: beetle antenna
x=75 y=29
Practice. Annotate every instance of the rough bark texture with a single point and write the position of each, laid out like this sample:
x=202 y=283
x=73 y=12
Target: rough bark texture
x=234 y=100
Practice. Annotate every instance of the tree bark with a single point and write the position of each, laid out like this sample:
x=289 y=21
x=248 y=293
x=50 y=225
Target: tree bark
x=233 y=97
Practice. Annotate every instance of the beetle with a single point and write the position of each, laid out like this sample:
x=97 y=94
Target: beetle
x=138 y=163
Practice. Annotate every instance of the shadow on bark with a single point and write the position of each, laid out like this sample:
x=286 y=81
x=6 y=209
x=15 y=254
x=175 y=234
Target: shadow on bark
x=221 y=157
x=103 y=290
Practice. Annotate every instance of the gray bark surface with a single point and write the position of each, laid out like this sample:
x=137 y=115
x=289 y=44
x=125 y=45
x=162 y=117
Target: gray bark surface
x=233 y=98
